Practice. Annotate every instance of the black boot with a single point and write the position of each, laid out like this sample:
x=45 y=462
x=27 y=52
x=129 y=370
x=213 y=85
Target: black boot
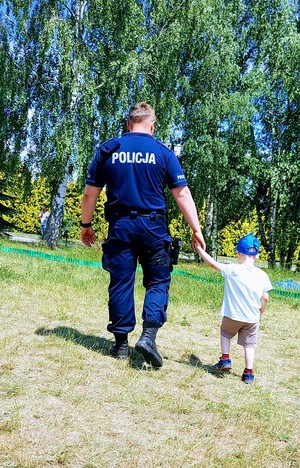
x=120 y=350
x=147 y=347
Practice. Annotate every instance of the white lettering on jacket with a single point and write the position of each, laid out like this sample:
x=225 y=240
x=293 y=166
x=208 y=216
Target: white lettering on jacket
x=133 y=158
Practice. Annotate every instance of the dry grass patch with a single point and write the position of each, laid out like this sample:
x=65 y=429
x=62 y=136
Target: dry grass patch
x=66 y=403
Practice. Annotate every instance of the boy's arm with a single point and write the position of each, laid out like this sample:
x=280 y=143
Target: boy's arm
x=208 y=259
x=264 y=301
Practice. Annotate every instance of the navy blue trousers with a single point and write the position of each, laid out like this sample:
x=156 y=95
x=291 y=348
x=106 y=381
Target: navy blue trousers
x=131 y=240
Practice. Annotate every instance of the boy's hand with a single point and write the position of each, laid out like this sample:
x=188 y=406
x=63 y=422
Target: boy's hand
x=198 y=241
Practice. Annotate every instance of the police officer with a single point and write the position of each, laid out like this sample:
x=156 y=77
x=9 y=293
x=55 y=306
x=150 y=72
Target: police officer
x=135 y=169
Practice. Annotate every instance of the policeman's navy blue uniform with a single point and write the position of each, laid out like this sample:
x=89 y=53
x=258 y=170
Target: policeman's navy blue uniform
x=136 y=168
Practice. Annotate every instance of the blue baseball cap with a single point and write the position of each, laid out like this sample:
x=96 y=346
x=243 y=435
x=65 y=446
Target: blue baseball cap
x=246 y=243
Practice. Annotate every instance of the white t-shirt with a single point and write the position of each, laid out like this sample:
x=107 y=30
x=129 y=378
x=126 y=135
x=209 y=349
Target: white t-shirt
x=244 y=287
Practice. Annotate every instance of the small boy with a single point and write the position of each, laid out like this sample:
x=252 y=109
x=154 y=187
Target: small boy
x=245 y=299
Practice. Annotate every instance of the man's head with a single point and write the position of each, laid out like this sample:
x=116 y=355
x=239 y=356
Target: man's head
x=248 y=245
x=141 y=118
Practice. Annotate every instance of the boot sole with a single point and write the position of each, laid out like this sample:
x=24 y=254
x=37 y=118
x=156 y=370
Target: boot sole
x=121 y=358
x=150 y=356
x=117 y=355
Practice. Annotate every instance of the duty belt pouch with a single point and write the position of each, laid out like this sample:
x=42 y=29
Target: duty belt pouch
x=175 y=246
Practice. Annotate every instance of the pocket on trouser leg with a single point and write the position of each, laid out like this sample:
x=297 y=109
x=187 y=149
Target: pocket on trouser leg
x=156 y=268
x=169 y=257
x=159 y=257
x=105 y=257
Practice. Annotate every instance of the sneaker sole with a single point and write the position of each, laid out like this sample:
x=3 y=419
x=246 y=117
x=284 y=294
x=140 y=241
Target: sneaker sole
x=224 y=369
x=249 y=382
x=150 y=357
x=121 y=358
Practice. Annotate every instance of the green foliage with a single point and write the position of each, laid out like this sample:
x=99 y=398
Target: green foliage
x=223 y=77
x=72 y=214
x=229 y=236
x=28 y=203
x=12 y=90
x=5 y=206
x=276 y=145
x=29 y=199
x=25 y=202
x=179 y=228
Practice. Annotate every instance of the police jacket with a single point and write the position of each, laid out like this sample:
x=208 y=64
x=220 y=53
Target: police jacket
x=135 y=168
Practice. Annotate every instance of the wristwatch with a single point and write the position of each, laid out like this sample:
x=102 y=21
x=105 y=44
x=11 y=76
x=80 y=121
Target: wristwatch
x=85 y=225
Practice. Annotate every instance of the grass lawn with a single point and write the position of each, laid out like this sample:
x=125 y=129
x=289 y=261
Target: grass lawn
x=66 y=403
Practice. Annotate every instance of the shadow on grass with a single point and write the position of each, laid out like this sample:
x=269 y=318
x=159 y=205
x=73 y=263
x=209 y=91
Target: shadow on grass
x=95 y=343
x=196 y=362
x=92 y=342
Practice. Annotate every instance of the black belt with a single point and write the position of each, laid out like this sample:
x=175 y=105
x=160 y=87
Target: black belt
x=152 y=215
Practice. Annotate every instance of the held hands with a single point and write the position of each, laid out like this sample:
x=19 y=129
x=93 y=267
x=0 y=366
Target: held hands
x=197 y=239
x=88 y=236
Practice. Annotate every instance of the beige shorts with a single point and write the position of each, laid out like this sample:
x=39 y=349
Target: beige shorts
x=247 y=332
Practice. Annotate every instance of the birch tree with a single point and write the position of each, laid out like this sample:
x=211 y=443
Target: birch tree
x=276 y=127
x=79 y=60
x=215 y=110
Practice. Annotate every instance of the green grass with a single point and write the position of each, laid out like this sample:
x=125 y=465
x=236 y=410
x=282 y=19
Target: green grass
x=66 y=403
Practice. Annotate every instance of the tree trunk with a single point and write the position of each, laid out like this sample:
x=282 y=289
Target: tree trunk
x=298 y=263
x=52 y=232
x=209 y=216
x=210 y=227
x=214 y=243
x=273 y=220
x=55 y=221
x=290 y=255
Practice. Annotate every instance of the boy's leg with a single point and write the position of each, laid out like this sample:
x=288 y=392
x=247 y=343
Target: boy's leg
x=225 y=345
x=248 y=336
x=228 y=330
x=225 y=361
x=249 y=357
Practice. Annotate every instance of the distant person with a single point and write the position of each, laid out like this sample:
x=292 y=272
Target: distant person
x=136 y=169
x=44 y=216
x=245 y=300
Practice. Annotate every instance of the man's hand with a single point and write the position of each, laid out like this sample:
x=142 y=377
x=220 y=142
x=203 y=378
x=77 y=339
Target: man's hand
x=88 y=236
x=198 y=238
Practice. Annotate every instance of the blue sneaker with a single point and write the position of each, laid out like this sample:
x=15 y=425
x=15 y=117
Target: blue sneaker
x=223 y=364
x=247 y=378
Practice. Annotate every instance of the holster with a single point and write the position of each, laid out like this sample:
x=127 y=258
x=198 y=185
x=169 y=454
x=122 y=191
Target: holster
x=174 y=249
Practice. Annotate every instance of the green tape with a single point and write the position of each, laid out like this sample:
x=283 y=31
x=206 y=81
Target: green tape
x=32 y=253
x=55 y=258
x=286 y=293
x=196 y=277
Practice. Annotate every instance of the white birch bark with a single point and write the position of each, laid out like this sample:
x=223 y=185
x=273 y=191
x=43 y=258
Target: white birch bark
x=52 y=233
